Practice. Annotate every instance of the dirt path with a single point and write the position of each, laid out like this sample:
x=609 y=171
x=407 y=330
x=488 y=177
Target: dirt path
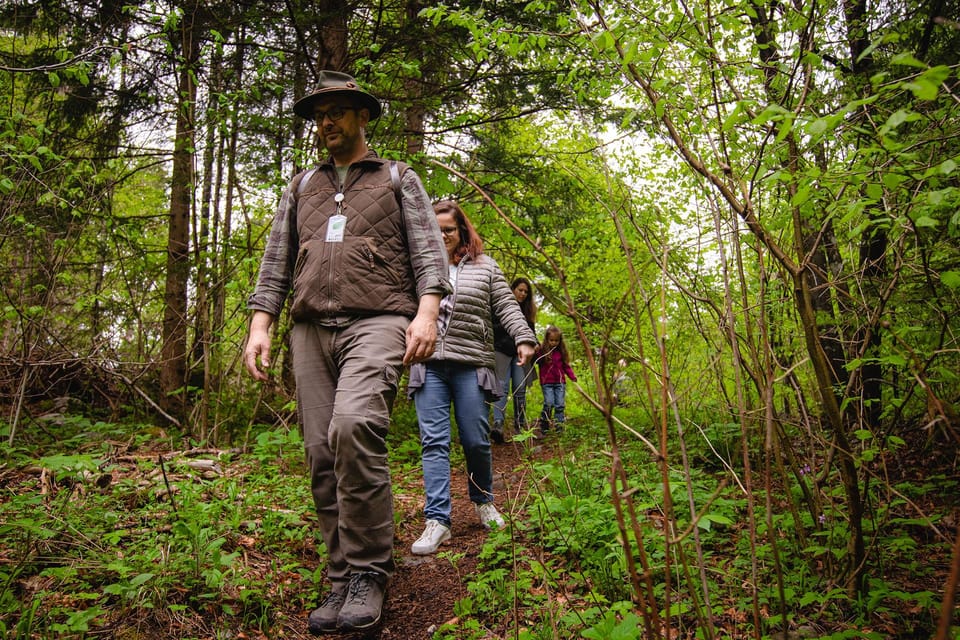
x=425 y=588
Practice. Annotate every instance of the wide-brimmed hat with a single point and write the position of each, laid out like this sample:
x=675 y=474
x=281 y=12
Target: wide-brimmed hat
x=331 y=85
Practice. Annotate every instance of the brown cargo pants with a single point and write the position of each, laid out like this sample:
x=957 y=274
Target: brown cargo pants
x=347 y=380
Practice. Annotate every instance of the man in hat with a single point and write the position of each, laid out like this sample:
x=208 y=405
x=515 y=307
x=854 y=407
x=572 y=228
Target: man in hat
x=357 y=242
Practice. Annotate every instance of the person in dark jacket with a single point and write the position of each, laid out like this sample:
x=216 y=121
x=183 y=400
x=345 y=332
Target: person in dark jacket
x=358 y=243
x=554 y=363
x=461 y=372
x=509 y=371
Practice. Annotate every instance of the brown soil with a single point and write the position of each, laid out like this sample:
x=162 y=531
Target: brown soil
x=424 y=590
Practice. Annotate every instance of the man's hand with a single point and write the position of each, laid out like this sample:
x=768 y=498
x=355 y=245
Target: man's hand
x=422 y=332
x=421 y=339
x=258 y=346
x=525 y=353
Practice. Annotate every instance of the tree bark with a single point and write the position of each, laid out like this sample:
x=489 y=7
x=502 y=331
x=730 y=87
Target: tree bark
x=173 y=369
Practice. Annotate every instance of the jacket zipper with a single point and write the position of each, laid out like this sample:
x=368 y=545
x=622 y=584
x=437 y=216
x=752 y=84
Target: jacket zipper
x=369 y=255
x=335 y=252
x=456 y=292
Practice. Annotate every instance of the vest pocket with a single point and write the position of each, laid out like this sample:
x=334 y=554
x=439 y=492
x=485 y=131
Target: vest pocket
x=312 y=294
x=352 y=276
x=368 y=272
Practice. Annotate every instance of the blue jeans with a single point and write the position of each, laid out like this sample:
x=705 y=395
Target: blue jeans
x=445 y=383
x=554 y=403
x=511 y=373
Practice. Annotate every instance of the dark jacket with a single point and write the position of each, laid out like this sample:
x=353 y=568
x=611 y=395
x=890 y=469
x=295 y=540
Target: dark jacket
x=503 y=342
x=385 y=260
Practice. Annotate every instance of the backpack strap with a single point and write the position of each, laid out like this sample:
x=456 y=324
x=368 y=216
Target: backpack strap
x=395 y=179
x=294 y=232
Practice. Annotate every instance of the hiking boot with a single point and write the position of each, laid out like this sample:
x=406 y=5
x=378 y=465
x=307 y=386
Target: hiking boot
x=324 y=618
x=489 y=516
x=546 y=426
x=364 y=604
x=435 y=533
x=496 y=433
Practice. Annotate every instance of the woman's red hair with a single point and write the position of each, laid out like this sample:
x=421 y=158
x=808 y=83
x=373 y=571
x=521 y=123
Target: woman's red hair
x=470 y=242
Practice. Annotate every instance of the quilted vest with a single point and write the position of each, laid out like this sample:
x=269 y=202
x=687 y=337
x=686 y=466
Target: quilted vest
x=368 y=271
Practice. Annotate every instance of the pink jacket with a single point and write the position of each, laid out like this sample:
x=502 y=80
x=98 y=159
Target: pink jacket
x=553 y=368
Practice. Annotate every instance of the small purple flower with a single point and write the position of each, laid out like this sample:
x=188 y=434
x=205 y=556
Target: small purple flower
x=805 y=469
x=822 y=518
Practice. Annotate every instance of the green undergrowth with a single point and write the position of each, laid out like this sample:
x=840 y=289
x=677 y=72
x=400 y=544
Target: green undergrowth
x=122 y=531
x=562 y=568
x=111 y=535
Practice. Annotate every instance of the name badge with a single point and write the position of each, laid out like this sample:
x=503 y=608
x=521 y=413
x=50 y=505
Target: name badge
x=336 y=227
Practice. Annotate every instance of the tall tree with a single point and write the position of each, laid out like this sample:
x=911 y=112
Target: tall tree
x=185 y=39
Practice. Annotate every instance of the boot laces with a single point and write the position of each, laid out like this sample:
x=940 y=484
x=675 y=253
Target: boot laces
x=359 y=587
x=334 y=599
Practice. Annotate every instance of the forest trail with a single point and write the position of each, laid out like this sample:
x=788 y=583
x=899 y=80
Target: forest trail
x=424 y=590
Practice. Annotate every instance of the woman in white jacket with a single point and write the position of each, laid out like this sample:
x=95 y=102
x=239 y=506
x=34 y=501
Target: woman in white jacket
x=461 y=372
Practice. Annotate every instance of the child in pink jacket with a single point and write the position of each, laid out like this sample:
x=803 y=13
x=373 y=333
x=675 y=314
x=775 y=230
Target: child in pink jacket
x=554 y=362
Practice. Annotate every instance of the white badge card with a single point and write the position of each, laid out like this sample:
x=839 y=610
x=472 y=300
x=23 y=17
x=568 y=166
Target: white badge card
x=335 y=228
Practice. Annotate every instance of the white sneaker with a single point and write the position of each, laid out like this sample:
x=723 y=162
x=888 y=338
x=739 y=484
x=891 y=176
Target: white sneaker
x=489 y=516
x=435 y=533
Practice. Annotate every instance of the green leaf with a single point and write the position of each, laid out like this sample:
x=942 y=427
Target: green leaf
x=801 y=196
x=907 y=59
x=141 y=578
x=716 y=518
x=950 y=279
x=897 y=118
x=894 y=359
x=817 y=127
x=733 y=119
x=604 y=40
x=772 y=112
x=70 y=463
x=785 y=128
x=923 y=89
x=893 y=180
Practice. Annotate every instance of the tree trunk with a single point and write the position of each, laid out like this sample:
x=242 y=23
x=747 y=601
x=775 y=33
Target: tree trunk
x=815 y=281
x=223 y=257
x=173 y=371
x=874 y=241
